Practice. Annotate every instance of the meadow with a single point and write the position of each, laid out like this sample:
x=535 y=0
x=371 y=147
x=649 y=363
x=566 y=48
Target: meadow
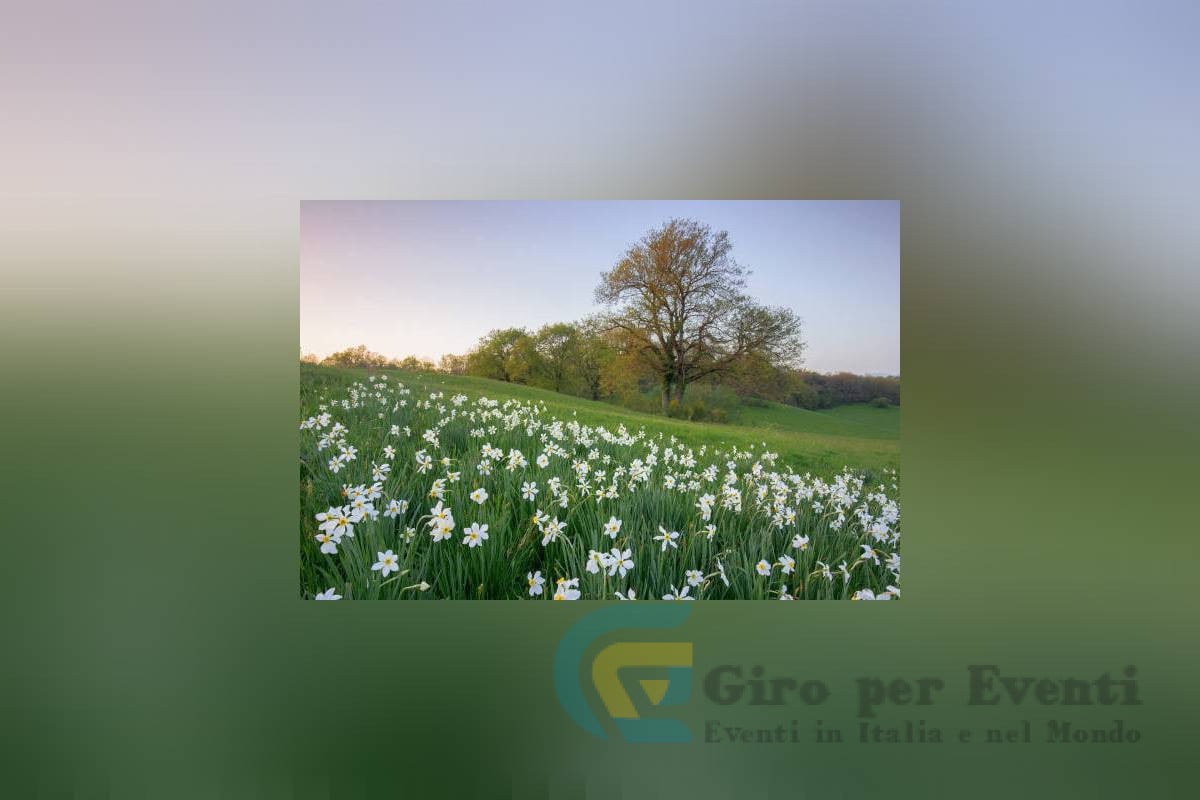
x=437 y=486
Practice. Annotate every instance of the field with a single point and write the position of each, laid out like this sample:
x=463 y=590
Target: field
x=426 y=485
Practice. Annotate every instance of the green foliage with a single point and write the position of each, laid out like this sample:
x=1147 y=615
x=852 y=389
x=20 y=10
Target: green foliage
x=358 y=356
x=881 y=402
x=507 y=354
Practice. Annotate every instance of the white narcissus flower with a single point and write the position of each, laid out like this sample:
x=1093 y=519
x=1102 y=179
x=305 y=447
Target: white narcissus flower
x=566 y=589
x=328 y=594
x=596 y=561
x=387 y=563
x=763 y=567
x=535 y=580
x=529 y=491
x=788 y=564
x=441 y=517
x=475 y=535
x=694 y=577
x=620 y=561
x=612 y=527
x=800 y=542
x=328 y=542
x=339 y=522
x=678 y=595
x=480 y=496
x=667 y=538
x=630 y=595
x=543 y=460
x=444 y=529
x=552 y=529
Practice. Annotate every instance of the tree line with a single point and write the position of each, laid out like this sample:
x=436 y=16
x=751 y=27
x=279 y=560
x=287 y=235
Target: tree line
x=676 y=334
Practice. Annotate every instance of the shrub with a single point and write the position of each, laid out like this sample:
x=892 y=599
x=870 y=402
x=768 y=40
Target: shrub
x=881 y=402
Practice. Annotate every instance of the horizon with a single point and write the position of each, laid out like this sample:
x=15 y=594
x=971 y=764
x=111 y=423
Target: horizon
x=835 y=263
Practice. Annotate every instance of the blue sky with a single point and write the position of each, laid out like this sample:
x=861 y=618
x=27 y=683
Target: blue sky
x=428 y=278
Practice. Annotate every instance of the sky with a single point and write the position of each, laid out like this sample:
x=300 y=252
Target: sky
x=428 y=278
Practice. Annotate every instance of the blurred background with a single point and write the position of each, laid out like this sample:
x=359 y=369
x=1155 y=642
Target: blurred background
x=154 y=158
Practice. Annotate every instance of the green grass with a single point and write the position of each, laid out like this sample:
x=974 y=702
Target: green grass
x=860 y=421
x=821 y=442
x=812 y=534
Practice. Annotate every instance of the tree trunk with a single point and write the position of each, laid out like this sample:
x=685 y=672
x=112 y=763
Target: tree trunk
x=666 y=398
x=680 y=387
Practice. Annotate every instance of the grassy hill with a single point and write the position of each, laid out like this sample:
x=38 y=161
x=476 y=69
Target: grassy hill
x=860 y=420
x=822 y=442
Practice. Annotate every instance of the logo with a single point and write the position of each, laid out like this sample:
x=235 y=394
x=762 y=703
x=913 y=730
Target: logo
x=666 y=667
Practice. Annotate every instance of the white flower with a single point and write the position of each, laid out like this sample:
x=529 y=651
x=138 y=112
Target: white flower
x=535 y=580
x=788 y=564
x=551 y=530
x=566 y=589
x=543 y=460
x=328 y=542
x=710 y=531
x=678 y=595
x=596 y=561
x=667 y=538
x=476 y=535
x=443 y=530
x=395 y=508
x=338 y=522
x=867 y=594
x=620 y=561
x=387 y=563
x=612 y=527
x=480 y=496
x=721 y=570
x=389 y=452
x=630 y=595
x=440 y=514
x=694 y=577
x=800 y=542
x=328 y=594
x=763 y=567
x=529 y=491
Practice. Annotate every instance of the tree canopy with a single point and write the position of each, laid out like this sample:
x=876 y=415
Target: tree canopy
x=676 y=298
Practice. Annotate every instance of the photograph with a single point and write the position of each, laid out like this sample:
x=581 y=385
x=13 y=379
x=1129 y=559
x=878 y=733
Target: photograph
x=642 y=400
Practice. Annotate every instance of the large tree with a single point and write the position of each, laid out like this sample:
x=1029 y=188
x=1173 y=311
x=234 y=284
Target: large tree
x=678 y=305
x=506 y=354
x=557 y=347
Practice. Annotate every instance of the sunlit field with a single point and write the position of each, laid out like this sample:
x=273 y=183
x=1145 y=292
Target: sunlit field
x=429 y=486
